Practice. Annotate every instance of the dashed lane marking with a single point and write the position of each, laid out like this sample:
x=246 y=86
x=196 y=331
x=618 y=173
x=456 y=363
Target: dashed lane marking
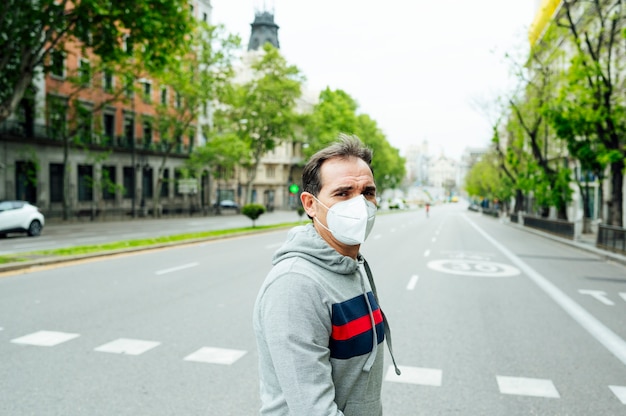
x=215 y=356
x=177 y=268
x=45 y=338
x=415 y=375
x=522 y=386
x=127 y=346
x=412 y=282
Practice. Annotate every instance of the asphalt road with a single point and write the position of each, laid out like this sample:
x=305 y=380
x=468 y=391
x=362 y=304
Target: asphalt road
x=487 y=319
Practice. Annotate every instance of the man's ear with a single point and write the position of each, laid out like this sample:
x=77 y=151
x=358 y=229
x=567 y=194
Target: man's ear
x=308 y=200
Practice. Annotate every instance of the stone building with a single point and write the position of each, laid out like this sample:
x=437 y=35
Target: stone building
x=113 y=172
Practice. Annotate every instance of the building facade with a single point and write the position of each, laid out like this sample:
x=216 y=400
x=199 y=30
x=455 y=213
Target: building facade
x=79 y=152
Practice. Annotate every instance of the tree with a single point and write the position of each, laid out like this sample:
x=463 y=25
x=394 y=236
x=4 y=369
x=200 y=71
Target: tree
x=511 y=160
x=335 y=113
x=486 y=180
x=590 y=112
x=253 y=211
x=32 y=30
x=262 y=111
x=199 y=76
x=528 y=108
x=387 y=164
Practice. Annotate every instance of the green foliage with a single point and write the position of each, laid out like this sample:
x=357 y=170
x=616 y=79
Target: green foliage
x=486 y=180
x=262 y=112
x=31 y=30
x=335 y=113
x=253 y=211
x=198 y=76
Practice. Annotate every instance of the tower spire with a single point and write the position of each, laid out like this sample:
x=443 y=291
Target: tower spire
x=263 y=29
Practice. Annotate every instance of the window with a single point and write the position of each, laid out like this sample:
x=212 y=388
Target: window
x=147 y=133
x=84 y=120
x=57 y=64
x=129 y=182
x=179 y=100
x=147 y=91
x=178 y=175
x=57 y=117
x=26 y=180
x=147 y=186
x=108 y=182
x=128 y=45
x=192 y=138
x=165 y=184
x=129 y=88
x=204 y=17
x=107 y=81
x=56 y=182
x=270 y=171
x=85 y=183
x=109 y=128
x=179 y=144
x=164 y=95
x=129 y=128
x=84 y=71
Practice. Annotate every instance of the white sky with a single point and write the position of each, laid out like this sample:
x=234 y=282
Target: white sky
x=417 y=67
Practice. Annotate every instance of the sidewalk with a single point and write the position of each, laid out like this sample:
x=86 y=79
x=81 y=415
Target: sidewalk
x=586 y=242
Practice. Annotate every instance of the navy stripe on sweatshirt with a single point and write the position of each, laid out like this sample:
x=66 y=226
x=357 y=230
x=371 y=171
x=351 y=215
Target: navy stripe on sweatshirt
x=352 y=328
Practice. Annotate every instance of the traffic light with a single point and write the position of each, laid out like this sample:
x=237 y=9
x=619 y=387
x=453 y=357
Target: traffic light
x=294 y=188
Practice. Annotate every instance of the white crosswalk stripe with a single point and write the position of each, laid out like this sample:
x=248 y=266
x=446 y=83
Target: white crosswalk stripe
x=523 y=386
x=127 y=346
x=45 y=338
x=215 y=355
x=415 y=375
x=620 y=392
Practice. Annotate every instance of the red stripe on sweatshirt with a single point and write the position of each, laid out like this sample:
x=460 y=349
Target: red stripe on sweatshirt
x=355 y=327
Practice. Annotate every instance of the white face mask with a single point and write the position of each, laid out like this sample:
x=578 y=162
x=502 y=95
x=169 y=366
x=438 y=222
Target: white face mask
x=351 y=221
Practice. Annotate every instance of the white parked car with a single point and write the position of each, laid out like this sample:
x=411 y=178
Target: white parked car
x=20 y=217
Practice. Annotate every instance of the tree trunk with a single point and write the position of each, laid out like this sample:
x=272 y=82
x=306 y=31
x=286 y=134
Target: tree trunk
x=617 y=194
x=519 y=201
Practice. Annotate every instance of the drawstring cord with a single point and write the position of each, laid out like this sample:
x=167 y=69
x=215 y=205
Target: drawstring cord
x=385 y=322
x=370 y=360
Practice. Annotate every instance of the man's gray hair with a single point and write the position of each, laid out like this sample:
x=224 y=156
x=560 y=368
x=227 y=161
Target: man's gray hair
x=345 y=147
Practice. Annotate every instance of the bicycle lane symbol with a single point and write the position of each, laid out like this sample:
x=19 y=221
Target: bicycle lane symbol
x=466 y=267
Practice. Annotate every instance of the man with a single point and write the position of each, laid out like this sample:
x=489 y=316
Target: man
x=317 y=321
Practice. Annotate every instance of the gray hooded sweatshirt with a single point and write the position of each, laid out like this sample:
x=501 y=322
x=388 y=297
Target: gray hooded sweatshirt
x=313 y=320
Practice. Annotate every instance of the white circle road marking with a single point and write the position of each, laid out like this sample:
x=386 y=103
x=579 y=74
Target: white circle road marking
x=473 y=268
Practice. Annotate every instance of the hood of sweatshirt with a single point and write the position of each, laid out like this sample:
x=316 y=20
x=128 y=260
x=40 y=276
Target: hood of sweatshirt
x=304 y=241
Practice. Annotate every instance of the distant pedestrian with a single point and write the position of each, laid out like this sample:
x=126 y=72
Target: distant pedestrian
x=317 y=320
x=427 y=209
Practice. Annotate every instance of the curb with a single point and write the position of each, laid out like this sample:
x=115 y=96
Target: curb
x=606 y=255
x=27 y=266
